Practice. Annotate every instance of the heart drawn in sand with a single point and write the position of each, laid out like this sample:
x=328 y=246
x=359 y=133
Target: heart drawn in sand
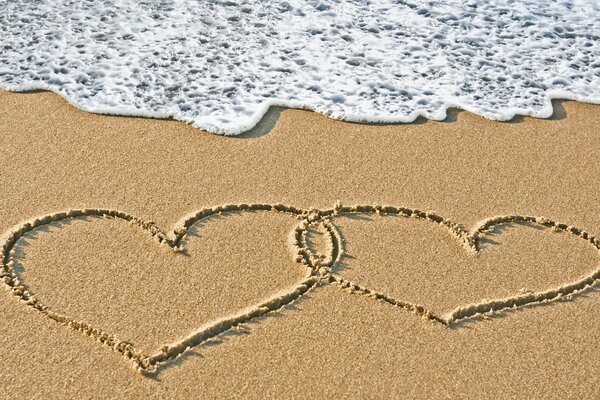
x=319 y=264
x=471 y=242
x=175 y=240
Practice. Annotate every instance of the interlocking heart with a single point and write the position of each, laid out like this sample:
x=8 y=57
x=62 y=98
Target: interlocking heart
x=319 y=268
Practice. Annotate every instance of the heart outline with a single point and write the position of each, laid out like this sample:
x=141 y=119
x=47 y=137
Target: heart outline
x=144 y=363
x=469 y=240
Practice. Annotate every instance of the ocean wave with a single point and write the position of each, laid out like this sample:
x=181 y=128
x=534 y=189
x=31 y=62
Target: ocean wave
x=219 y=65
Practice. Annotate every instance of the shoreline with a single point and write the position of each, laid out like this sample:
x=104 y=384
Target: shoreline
x=269 y=112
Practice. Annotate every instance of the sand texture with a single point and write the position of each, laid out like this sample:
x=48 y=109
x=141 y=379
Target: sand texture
x=306 y=258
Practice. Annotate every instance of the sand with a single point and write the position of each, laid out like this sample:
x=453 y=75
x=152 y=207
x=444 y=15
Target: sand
x=342 y=335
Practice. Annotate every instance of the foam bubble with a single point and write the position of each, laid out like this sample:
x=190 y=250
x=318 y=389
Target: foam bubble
x=220 y=64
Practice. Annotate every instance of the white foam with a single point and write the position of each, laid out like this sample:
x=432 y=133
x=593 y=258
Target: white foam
x=220 y=64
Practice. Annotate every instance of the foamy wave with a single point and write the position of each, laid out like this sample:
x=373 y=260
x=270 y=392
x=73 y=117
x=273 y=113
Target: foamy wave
x=219 y=65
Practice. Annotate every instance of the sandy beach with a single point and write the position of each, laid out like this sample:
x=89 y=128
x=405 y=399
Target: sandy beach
x=375 y=321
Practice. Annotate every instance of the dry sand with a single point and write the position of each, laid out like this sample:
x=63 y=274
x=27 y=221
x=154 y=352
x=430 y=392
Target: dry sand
x=331 y=341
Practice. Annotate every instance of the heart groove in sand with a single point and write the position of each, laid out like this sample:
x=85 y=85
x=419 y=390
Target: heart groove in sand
x=470 y=240
x=148 y=363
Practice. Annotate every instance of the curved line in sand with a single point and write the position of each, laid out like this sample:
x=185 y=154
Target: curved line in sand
x=470 y=241
x=149 y=364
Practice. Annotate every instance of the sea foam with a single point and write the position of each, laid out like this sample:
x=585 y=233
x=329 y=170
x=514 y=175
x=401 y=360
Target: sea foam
x=220 y=64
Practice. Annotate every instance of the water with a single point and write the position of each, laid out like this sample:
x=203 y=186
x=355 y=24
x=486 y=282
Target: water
x=219 y=65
